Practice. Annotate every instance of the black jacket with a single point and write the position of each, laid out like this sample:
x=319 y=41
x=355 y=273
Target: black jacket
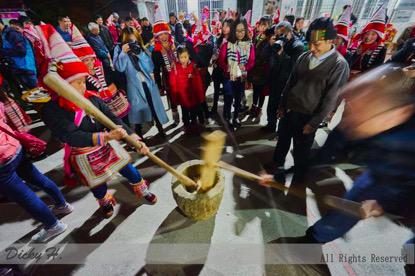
x=406 y=53
x=282 y=65
x=147 y=33
x=106 y=36
x=61 y=123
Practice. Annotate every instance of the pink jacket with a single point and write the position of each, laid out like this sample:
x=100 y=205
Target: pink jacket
x=8 y=145
x=223 y=60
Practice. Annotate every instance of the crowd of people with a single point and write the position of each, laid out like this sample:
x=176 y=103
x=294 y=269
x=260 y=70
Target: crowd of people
x=126 y=67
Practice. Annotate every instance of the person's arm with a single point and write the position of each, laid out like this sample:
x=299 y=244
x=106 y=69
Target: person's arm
x=19 y=45
x=290 y=82
x=328 y=102
x=222 y=57
x=157 y=68
x=120 y=59
x=251 y=61
x=64 y=129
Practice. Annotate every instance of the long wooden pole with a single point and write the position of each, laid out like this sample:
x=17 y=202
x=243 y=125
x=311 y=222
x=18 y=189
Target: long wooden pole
x=64 y=89
x=345 y=206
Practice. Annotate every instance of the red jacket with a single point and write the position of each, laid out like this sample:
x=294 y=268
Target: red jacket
x=186 y=86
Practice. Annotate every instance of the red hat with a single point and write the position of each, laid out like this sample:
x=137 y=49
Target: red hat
x=69 y=66
x=160 y=25
x=377 y=22
x=80 y=46
x=342 y=26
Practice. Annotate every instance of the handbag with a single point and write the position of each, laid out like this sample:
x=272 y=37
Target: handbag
x=32 y=145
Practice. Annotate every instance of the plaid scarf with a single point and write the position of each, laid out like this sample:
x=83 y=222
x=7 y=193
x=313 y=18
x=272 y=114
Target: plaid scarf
x=237 y=54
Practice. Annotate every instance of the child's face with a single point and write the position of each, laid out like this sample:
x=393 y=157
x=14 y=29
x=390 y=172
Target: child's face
x=184 y=58
x=89 y=62
x=79 y=85
x=240 y=31
x=262 y=27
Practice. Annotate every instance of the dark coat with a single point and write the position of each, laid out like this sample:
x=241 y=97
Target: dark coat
x=61 y=122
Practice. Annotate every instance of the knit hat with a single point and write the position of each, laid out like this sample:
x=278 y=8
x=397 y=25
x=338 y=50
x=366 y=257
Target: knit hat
x=160 y=25
x=342 y=26
x=377 y=22
x=80 y=46
x=69 y=66
x=321 y=29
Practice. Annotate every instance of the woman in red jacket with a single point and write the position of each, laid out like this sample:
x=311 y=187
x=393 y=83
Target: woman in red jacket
x=187 y=90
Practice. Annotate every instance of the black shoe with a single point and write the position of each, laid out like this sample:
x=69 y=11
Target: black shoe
x=107 y=210
x=236 y=123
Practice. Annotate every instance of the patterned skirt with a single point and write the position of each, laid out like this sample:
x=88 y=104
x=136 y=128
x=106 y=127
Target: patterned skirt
x=97 y=165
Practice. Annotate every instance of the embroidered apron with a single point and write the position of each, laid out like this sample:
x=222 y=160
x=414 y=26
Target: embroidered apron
x=95 y=165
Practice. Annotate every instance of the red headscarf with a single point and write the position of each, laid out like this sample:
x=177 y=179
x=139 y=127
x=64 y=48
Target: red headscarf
x=70 y=106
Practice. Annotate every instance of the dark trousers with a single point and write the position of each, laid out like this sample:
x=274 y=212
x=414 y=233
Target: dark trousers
x=233 y=95
x=394 y=198
x=258 y=97
x=190 y=115
x=151 y=105
x=291 y=127
x=272 y=108
x=216 y=93
x=14 y=179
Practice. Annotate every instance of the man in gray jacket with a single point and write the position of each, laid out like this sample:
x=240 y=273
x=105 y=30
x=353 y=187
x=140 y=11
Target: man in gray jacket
x=310 y=94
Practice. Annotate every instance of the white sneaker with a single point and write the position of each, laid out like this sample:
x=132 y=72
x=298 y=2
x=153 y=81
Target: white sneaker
x=63 y=210
x=46 y=234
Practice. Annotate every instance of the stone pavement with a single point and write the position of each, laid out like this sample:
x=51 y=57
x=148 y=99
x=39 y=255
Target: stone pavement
x=131 y=242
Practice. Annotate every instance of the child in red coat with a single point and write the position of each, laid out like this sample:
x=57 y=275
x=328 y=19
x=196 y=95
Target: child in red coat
x=187 y=90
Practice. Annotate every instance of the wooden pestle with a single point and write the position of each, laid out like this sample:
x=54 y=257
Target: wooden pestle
x=64 y=89
x=211 y=154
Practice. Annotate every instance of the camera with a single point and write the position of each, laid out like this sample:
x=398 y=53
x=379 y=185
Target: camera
x=279 y=43
x=135 y=47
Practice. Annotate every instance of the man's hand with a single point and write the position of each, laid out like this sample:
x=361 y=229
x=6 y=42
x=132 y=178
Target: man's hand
x=126 y=48
x=308 y=129
x=371 y=208
x=266 y=179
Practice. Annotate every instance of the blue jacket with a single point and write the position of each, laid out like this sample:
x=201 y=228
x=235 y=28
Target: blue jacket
x=18 y=49
x=140 y=111
x=98 y=45
x=67 y=36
